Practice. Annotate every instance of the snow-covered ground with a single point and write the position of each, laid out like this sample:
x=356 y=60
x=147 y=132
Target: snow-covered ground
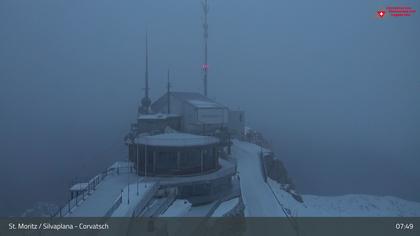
x=256 y=194
x=225 y=207
x=200 y=211
x=346 y=205
x=178 y=208
x=131 y=199
x=269 y=199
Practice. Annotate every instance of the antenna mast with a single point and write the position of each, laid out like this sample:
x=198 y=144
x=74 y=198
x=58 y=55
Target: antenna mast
x=146 y=102
x=169 y=94
x=147 y=69
x=206 y=35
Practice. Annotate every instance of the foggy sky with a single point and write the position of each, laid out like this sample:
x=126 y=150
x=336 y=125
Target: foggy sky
x=335 y=89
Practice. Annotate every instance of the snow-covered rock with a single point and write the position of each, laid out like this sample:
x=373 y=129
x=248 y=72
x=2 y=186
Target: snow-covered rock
x=351 y=205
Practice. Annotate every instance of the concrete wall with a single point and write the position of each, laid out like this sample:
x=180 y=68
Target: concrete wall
x=236 y=122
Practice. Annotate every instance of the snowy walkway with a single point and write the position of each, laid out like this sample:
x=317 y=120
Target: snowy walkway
x=256 y=194
x=200 y=211
x=138 y=200
x=225 y=207
x=101 y=200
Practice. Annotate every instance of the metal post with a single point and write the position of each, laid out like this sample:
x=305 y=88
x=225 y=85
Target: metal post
x=145 y=160
x=206 y=35
x=128 y=190
x=216 y=154
x=128 y=187
x=178 y=160
x=202 y=160
x=169 y=95
x=154 y=162
x=137 y=169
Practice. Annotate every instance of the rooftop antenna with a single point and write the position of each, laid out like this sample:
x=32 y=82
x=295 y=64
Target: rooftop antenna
x=206 y=35
x=147 y=68
x=146 y=102
x=169 y=94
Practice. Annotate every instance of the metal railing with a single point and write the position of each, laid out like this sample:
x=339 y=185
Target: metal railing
x=117 y=203
x=91 y=187
x=153 y=187
x=263 y=165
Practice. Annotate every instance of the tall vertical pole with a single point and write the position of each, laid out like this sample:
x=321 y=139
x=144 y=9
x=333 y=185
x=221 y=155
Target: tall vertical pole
x=146 y=102
x=147 y=69
x=169 y=95
x=145 y=160
x=206 y=35
x=201 y=161
x=137 y=169
x=128 y=185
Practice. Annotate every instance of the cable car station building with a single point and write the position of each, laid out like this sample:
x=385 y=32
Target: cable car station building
x=180 y=141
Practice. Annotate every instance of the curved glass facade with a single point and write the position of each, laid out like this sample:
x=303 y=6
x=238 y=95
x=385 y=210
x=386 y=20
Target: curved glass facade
x=172 y=161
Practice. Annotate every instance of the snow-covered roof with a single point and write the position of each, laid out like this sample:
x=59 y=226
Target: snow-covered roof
x=195 y=99
x=176 y=140
x=79 y=187
x=157 y=116
x=204 y=104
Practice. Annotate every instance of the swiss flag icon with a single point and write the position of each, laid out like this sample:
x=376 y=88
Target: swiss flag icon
x=381 y=14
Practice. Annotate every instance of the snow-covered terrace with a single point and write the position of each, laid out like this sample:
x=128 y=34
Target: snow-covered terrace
x=110 y=196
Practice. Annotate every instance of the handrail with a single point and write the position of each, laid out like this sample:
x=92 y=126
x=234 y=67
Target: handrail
x=146 y=198
x=92 y=184
x=117 y=203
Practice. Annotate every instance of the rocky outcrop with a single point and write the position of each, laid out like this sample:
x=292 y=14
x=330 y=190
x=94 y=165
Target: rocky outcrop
x=277 y=171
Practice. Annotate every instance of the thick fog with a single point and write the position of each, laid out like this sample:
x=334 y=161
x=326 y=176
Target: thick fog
x=335 y=90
